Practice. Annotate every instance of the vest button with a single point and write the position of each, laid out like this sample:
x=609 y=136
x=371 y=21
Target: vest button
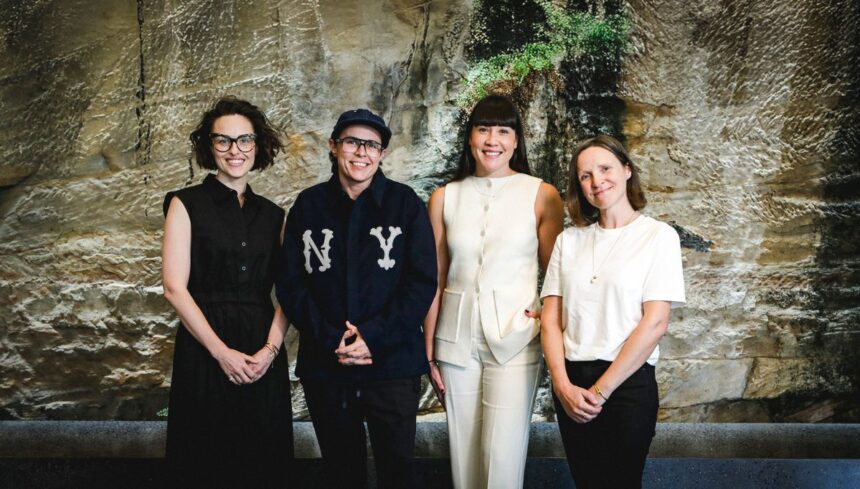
x=244 y=244
x=244 y=268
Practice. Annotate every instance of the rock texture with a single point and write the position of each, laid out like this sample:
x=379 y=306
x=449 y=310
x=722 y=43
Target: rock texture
x=743 y=116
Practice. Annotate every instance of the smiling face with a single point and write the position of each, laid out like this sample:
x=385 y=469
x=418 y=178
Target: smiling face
x=602 y=178
x=233 y=164
x=492 y=148
x=355 y=170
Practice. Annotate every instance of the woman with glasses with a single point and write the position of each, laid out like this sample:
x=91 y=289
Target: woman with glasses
x=229 y=417
x=494 y=227
x=611 y=282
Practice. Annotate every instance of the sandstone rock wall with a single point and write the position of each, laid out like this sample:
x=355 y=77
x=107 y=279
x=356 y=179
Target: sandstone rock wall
x=742 y=114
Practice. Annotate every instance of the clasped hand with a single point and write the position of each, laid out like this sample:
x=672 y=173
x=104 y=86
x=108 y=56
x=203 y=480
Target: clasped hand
x=242 y=368
x=582 y=405
x=356 y=353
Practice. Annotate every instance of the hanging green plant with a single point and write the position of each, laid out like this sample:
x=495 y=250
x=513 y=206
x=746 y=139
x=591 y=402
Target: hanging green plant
x=566 y=35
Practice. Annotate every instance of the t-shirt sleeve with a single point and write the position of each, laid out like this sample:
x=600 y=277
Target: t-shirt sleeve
x=665 y=278
x=552 y=280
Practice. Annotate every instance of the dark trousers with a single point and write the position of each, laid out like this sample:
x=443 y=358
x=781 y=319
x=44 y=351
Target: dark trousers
x=338 y=414
x=610 y=451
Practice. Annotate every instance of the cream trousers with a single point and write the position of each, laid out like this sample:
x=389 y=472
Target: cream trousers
x=489 y=409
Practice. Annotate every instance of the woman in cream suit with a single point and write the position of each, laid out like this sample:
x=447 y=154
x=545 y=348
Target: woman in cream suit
x=493 y=224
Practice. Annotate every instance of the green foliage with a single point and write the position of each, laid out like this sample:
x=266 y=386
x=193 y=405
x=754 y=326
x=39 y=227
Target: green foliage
x=567 y=35
x=162 y=413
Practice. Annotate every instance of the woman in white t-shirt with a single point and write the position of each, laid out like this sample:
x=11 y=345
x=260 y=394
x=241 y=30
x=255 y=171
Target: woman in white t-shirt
x=609 y=287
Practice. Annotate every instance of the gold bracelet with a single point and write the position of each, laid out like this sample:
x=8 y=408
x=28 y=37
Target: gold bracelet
x=599 y=392
x=272 y=349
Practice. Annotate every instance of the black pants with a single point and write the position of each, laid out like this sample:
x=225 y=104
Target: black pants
x=338 y=413
x=610 y=450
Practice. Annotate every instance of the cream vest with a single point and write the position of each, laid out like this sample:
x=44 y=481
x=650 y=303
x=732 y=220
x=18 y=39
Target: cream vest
x=492 y=240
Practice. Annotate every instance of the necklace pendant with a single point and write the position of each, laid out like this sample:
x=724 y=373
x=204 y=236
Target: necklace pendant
x=593 y=278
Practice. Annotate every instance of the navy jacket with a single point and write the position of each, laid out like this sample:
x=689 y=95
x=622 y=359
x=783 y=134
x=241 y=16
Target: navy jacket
x=371 y=261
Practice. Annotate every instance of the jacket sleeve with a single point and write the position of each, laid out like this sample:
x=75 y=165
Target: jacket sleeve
x=294 y=291
x=401 y=319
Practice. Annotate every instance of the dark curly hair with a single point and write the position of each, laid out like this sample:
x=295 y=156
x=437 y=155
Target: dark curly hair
x=582 y=213
x=268 y=137
x=493 y=110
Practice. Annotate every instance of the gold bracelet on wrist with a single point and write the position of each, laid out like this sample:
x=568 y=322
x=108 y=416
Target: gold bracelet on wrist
x=599 y=392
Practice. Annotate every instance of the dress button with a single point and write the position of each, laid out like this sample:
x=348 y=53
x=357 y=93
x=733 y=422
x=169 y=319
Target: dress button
x=487 y=207
x=483 y=233
x=480 y=260
x=477 y=290
x=489 y=184
x=244 y=243
x=244 y=268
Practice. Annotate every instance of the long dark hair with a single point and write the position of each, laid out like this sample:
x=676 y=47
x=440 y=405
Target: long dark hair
x=493 y=110
x=582 y=213
x=268 y=137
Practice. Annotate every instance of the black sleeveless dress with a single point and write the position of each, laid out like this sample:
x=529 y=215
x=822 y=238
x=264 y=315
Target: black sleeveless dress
x=220 y=434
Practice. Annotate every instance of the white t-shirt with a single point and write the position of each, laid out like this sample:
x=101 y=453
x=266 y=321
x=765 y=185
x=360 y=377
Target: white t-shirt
x=632 y=264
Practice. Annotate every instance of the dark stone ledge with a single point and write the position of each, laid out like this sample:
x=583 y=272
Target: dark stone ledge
x=145 y=439
x=434 y=473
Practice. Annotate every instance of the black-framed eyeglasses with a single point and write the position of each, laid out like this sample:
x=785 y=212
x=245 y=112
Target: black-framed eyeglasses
x=351 y=145
x=222 y=143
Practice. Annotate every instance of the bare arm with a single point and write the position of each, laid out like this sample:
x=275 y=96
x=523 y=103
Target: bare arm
x=549 y=212
x=278 y=329
x=551 y=338
x=175 y=271
x=638 y=347
x=580 y=404
x=435 y=208
x=265 y=356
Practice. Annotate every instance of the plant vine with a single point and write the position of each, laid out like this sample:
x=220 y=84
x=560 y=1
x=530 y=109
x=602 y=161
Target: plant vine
x=566 y=35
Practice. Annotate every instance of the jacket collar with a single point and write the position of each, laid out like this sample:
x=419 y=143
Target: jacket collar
x=376 y=189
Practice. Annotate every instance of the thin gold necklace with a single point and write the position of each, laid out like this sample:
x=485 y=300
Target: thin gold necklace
x=594 y=271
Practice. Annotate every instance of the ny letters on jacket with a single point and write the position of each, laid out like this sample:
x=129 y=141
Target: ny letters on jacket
x=372 y=262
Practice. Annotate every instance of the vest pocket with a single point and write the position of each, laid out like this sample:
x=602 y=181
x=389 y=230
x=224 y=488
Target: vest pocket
x=510 y=306
x=448 y=322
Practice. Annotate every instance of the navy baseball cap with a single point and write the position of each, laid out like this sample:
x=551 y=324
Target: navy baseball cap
x=363 y=117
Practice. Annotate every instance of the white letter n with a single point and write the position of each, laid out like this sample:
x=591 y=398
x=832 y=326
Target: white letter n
x=321 y=252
